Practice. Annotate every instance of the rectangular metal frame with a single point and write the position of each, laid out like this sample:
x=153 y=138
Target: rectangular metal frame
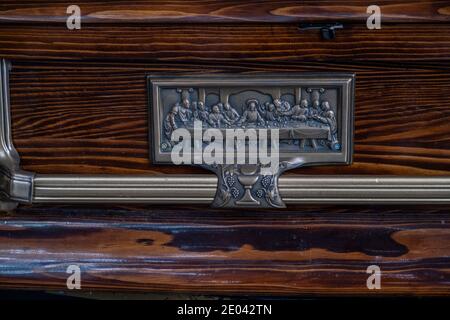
x=343 y=81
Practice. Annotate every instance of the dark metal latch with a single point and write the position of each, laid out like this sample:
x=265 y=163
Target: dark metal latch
x=327 y=30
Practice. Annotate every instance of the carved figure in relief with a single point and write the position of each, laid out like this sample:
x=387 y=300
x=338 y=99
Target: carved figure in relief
x=298 y=112
x=200 y=112
x=281 y=106
x=327 y=116
x=230 y=114
x=314 y=111
x=216 y=118
x=269 y=113
x=170 y=124
x=251 y=115
x=185 y=112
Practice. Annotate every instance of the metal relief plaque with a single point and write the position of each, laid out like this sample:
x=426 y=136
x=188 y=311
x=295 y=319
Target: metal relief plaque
x=304 y=119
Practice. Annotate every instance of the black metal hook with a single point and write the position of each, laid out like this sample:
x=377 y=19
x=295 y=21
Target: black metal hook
x=327 y=30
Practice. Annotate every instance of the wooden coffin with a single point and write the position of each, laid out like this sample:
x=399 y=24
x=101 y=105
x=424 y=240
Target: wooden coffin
x=79 y=185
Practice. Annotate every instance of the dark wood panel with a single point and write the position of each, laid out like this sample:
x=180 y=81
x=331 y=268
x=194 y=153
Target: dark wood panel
x=92 y=117
x=211 y=43
x=303 y=250
x=140 y=11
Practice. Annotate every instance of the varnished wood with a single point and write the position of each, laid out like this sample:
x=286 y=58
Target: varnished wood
x=213 y=11
x=209 y=43
x=79 y=105
x=93 y=117
x=306 y=250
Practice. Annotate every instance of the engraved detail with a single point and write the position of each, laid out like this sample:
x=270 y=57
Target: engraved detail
x=309 y=124
x=244 y=185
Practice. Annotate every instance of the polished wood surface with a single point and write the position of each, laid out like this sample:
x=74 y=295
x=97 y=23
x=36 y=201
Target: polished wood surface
x=305 y=250
x=214 y=11
x=208 y=43
x=79 y=105
x=93 y=117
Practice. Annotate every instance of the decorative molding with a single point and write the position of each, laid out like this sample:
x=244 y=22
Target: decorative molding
x=200 y=189
x=15 y=185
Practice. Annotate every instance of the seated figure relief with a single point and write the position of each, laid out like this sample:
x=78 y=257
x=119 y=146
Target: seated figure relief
x=200 y=112
x=216 y=117
x=298 y=112
x=170 y=123
x=184 y=111
x=269 y=112
x=230 y=114
x=251 y=115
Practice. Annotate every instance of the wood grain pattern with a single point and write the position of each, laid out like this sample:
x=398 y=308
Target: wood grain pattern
x=93 y=117
x=303 y=250
x=210 y=43
x=213 y=11
x=79 y=105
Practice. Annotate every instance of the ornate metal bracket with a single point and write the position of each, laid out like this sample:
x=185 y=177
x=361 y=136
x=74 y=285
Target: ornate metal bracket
x=15 y=185
x=245 y=186
x=311 y=115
